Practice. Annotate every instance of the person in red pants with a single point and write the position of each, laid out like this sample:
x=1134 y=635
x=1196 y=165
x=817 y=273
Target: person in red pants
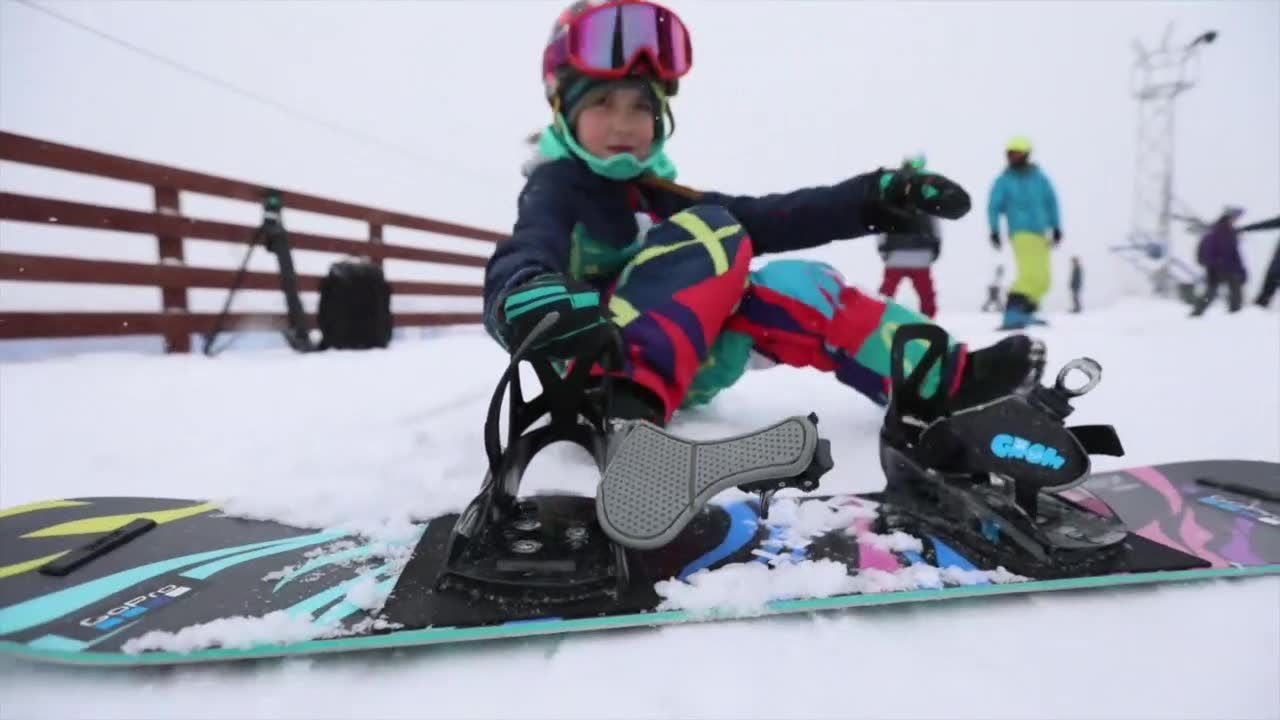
x=910 y=253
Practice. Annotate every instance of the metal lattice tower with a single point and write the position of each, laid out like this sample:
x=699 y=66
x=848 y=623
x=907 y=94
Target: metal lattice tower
x=1159 y=76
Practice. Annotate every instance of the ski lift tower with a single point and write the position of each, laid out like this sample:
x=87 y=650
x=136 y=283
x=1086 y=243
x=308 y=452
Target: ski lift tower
x=1159 y=77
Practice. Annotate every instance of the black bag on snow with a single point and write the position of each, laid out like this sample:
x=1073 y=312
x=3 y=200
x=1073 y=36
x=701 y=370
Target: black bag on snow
x=355 y=307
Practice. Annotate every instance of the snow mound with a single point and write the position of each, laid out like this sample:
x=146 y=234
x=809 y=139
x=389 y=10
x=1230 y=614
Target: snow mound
x=896 y=541
x=367 y=593
x=804 y=519
x=745 y=589
x=236 y=633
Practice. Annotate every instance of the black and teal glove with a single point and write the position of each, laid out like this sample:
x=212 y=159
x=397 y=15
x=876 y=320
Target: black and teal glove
x=906 y=191
x=582 y=328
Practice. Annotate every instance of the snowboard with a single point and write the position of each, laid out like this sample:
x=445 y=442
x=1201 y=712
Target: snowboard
x=126 y=581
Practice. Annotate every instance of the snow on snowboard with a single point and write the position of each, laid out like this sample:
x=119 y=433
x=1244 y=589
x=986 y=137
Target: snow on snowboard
x=147 y=581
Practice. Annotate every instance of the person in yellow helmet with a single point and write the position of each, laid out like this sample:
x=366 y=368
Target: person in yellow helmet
x=1024 y=195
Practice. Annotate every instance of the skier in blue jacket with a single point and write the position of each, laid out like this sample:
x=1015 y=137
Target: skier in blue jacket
x=1024 y=195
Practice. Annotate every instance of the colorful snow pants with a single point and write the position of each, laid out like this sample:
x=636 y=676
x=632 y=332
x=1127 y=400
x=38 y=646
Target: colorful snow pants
x=692 y=312
x=921 y=278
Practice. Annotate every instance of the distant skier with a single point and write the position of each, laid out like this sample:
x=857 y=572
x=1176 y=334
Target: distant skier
x=1219 y=254
x=994 y=303
x=911 y=252
x=1024 y=195
x=1077 y=283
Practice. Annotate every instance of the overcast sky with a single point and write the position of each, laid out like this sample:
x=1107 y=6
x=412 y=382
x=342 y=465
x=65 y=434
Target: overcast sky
x=782 y=95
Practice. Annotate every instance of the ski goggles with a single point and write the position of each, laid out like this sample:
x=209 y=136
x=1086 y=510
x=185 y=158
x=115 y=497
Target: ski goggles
x=608 y=40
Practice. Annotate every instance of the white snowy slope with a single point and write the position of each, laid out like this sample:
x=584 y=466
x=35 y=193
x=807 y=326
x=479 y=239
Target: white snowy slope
x=371 y=441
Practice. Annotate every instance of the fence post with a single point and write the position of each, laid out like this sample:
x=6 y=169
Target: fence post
x=375 y=238
x=174 y=299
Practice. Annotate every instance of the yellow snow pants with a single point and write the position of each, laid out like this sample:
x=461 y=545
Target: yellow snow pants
x=1031 y=254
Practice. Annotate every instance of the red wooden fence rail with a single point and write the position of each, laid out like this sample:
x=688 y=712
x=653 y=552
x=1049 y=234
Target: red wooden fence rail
x=171 y=274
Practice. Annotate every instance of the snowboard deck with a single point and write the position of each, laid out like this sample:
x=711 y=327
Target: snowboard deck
x=264 y=589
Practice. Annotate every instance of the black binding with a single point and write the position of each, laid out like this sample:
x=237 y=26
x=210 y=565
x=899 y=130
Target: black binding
x=945 y=476
x=543 y=549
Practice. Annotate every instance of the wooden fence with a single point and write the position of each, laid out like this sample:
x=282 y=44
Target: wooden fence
x=170 y=228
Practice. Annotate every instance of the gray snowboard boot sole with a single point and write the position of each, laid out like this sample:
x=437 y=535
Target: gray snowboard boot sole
x=654 y=482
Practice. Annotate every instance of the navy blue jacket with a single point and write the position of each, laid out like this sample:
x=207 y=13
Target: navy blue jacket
x=565 y=193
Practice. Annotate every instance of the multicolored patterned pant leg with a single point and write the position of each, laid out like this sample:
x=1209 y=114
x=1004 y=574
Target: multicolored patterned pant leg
x=801 y=313
x=673 y=298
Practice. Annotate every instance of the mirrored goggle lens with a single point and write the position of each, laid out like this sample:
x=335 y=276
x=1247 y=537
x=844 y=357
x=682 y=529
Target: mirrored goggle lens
x=610 y=38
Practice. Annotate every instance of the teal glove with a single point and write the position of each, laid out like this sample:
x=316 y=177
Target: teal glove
x=581 y=330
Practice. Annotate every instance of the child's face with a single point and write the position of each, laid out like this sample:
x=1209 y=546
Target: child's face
x=617 y=121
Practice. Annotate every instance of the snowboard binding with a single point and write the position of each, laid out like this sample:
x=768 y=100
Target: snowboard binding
x=543 y=549
x=552 y=549
x=988 y=474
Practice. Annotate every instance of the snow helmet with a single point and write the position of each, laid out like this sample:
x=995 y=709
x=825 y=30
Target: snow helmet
x=661 y=51
x=1019 y=143
x=1018 y=151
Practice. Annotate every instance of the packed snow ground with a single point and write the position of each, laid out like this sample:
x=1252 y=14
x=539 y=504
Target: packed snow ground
x=373 y=441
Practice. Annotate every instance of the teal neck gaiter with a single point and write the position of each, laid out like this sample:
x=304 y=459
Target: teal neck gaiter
x=557 y=142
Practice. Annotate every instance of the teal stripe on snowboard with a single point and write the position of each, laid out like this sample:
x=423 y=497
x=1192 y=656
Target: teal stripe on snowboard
x=427 y=636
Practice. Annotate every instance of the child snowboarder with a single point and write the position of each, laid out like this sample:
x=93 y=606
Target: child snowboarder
x=910 y=253
x=605 y=238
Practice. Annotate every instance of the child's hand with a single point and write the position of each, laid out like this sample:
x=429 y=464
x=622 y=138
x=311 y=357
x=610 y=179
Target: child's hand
x=581 y=329
x=909 y=192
